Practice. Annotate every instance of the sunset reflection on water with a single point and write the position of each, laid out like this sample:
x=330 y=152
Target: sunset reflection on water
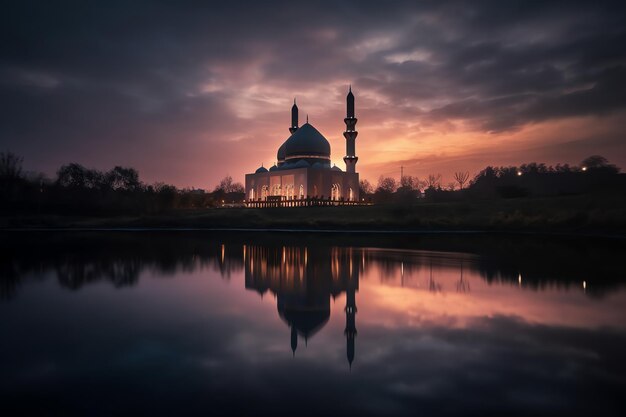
x=358 y=328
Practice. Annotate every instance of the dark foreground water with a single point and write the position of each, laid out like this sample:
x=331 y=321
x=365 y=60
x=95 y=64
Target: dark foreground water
x=208 y=324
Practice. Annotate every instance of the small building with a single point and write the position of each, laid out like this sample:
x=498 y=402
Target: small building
x=303 y=175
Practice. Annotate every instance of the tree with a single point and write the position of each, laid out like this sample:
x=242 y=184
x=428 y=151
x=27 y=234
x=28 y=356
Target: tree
x=365 y=188
x=386 y=185
x=409 y=182
x=120 y=178
x=77 y=176
x=227 y=186
x=599 y=163
x=10 y=166
x=461 y=178
x=433 y=181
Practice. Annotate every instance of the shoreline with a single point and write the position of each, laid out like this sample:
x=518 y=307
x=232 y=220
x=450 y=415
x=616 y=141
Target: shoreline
x=477 y=232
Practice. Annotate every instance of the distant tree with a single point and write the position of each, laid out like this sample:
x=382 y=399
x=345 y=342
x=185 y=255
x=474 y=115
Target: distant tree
x=126 y=179
x=386 y=185
x=433 y=181
x=77 y=176
x=365 y=188
x=410 y=182
x=599 y=164
x=451 y=186
x=227 y=186
x=10 y=166
x=461 y=178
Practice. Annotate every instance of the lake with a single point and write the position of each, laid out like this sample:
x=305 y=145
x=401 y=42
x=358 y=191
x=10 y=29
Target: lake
x=249 y=323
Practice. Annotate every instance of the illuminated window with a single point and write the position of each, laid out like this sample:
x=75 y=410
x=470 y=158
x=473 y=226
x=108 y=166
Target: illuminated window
x=351 y=195
x=252 y=194
x=264 y=192
x=335 y=192
x=301 y=193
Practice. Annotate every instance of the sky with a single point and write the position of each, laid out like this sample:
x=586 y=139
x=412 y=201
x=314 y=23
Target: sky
x=190 y=91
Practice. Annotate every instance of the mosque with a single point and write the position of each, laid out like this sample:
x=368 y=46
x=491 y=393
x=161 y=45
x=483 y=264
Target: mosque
x=303 y=175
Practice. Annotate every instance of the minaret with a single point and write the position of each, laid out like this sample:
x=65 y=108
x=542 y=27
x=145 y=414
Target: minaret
x=294 y=339
x=350 y=134
x=350 y=331
x=294 y=117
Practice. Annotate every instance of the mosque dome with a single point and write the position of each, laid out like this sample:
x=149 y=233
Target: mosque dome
x=260 y=170
x=307 y=143
x=336 y=168
x=280 y=156
x=273 y=168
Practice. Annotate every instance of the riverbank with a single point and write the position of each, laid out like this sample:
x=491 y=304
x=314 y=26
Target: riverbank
x=587 y=214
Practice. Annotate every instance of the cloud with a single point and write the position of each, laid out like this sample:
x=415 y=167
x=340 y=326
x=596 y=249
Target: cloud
x=88 y=83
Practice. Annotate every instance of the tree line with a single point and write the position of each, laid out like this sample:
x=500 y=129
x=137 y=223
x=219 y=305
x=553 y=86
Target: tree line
x=594 y=175
x=80 y=190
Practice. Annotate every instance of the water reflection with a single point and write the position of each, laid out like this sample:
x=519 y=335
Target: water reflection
x=185 y=323
x=77 y=260
x=303 y=289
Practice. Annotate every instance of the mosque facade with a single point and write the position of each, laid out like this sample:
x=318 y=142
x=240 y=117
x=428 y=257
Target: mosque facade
x=303 y=175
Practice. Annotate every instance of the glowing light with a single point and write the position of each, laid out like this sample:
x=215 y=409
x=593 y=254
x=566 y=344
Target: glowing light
x=584 y=285
x=519 y=173
x=519 y=279
x=584 y=168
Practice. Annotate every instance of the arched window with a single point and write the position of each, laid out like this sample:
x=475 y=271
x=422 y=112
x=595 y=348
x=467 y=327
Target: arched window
x=315 y=190
x=350 y=194
x=276 y=190
x=251 y=193
x=335 y=192
x=301 y=193
x=264 y=192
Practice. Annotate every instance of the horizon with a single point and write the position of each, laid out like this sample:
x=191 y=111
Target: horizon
x=188 y=95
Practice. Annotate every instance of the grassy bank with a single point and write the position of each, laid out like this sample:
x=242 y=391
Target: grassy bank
x=571 y=214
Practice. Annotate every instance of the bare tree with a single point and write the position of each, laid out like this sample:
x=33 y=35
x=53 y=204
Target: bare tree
x=227 y=185
x=410 y=182
x=433 y=181
x=461 y=178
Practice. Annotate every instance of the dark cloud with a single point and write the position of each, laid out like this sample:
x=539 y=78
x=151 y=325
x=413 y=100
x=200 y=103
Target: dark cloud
x=107 y=76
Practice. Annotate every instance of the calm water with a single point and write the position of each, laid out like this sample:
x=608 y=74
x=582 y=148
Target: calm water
x=199 y=324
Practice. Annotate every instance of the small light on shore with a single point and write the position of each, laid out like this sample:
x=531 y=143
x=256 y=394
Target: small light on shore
x=519 y=279
x=584 y=285
x=519 y=173
x=584 y=168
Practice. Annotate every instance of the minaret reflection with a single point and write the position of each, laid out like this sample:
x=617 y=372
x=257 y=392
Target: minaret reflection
x=304 y=280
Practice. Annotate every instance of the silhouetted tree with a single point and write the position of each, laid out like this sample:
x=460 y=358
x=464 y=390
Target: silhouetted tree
x=227 y=186
x=77 y=176
x=433 y=181
x=365 y=188
x=599 y=163
x=10 y=166
x=409 y=182
x=386 y=185
x=461 y=178
x=126 y=179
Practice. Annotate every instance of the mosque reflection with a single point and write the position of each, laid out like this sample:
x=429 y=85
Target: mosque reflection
x=305 y=272
x=304 y=280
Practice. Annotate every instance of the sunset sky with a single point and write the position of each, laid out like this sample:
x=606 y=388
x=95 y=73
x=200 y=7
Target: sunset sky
x=188 y=92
